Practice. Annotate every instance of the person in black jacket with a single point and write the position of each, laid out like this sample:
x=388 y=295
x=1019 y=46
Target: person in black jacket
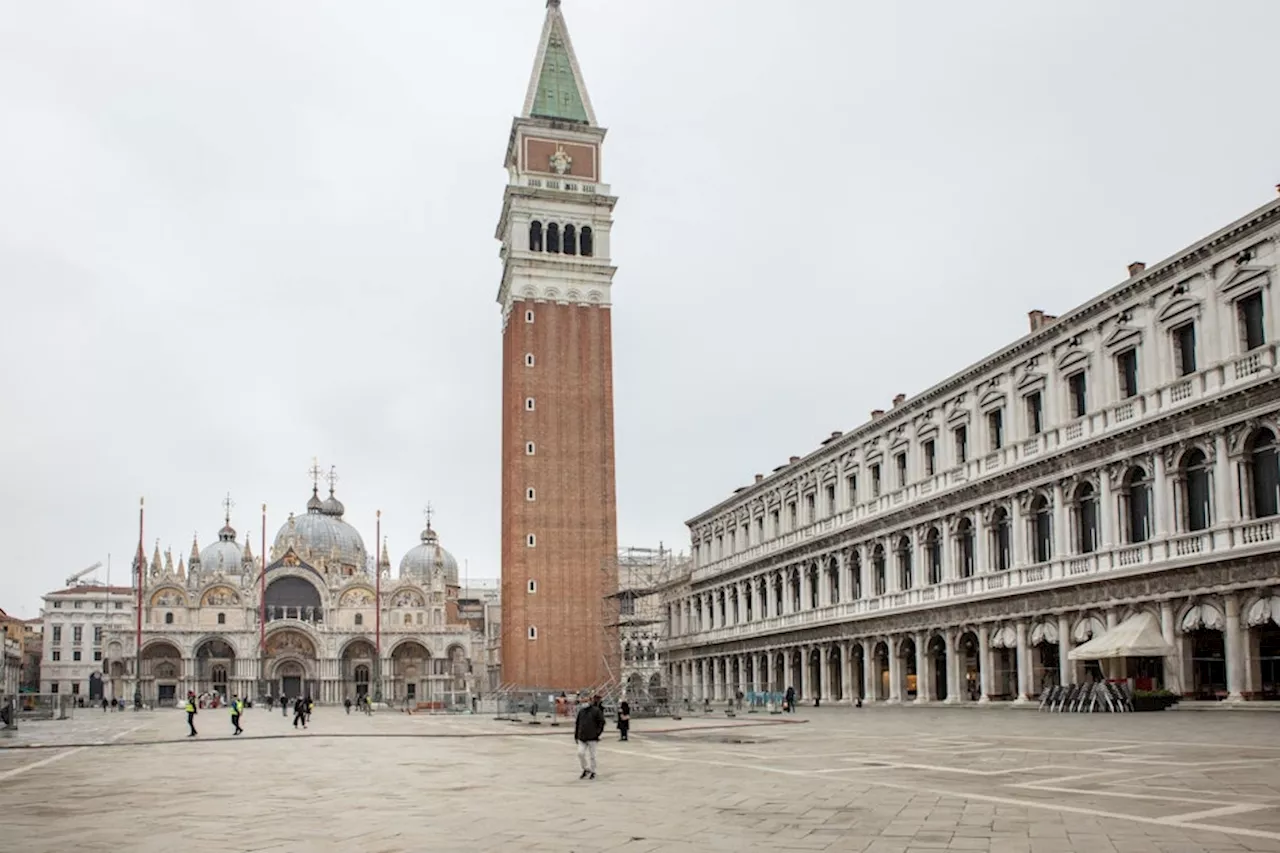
x=587 y=729
x=624 y=719
x=300 y=712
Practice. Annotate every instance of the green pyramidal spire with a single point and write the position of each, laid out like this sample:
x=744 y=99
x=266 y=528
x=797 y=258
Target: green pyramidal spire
x=556 y=90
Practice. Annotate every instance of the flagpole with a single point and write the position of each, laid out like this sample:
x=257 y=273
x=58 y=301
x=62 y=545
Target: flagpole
x=137 y=680
x=377 y=616
x=262 y=590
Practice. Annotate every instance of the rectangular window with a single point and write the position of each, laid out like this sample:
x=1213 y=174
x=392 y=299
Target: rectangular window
x=773 y=523
x=1184 y=348
x=77 y=604
x=530 y=495
x=962 y=445
x=791 y=515
x=57 y=655
x=533 y=586
x=528 y=359
x=930 y=458
x=97 y=635
x=995 y=428
x=875 y=480
x=759 y=529
x=77 y=634
x=810 y=509
x=75 y=688
x=831 y=499
x=533 y=633
x=900 y=462
x=528 y=404
x=528 y=316
x=1252 y=333
x=531 y=541
x=75 y=656
x=57 y=605
x=1035 y=413
x=97 y=605
x=1076 y=391
x=53 y=687
x=1127 y=373
x=57 y=635
x=97 y=655
x=119 y=605
x=529 y=449
x=851 y=489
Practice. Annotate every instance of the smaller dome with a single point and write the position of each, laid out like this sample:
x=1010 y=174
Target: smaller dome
x=332 y=506
x=314 y=504
x=227 y=533
x=426 y=559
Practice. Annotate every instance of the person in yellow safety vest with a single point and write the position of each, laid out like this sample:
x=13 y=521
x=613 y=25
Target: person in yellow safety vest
x=237 y=706
x=191 y=714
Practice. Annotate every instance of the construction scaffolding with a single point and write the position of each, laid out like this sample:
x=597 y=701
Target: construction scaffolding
x=634 y=620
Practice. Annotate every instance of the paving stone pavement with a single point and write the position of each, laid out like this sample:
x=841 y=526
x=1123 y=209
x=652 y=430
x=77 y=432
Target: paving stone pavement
x=875 y=780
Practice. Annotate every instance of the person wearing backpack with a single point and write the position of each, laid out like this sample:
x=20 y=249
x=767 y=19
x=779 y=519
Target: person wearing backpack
x=191 y=713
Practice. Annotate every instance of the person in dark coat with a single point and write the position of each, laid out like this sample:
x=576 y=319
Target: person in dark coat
x=300 y=712
x=587 y=728
x=789 y=701
x=624 y=720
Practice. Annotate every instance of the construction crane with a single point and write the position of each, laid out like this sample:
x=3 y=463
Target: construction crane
x=74 y=580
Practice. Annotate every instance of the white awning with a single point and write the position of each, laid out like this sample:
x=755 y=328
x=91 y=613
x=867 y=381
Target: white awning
x=1137 y=637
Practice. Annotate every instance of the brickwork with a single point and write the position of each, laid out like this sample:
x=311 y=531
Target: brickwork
x=573 y=511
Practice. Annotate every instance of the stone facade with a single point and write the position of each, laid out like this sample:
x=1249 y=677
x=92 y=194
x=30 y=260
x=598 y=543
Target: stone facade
x=559 y=524
x=1120 y=459
x=77 y=622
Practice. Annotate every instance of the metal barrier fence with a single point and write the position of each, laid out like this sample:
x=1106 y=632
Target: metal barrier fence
x=39 y=706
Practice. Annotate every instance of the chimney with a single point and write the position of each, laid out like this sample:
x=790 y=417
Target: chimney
x=793 y=460
x=1136 y=267
x=876 y=413
x=759 y=477
x=1037 y=319
x=898 y=400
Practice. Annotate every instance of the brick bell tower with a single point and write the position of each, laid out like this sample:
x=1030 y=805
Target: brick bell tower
x=559 y=516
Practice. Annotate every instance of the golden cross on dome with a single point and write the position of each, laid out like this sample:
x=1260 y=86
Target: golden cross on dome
x=228 y=505
x=315 y=472
x=332 y=478
x=428 y=512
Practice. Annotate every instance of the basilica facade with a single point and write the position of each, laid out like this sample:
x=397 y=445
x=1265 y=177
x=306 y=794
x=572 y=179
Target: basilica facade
x=307 y=620
x=1109 y=479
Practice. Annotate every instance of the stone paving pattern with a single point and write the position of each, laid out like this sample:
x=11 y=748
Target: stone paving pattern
x=877 y=780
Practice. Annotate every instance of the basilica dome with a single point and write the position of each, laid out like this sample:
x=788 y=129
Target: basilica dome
x=428 y=558
x=321 y=537
x=224 y=555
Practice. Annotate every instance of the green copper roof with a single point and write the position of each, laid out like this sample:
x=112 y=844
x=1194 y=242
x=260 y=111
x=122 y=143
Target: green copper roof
x=558 y=95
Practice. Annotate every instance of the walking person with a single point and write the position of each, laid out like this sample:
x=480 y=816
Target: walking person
x=284 y=706
x=300 y=713
x=310 y=707
x=237 y=706
x=587 y=728
x=789 y=701
x=191 y=714
x=624 y=719
x=346 y=702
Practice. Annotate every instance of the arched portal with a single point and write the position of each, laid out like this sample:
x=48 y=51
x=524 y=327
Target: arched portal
x=937 y=653
x=880 y=671
x=357 y=669
x=411 y=673
x=797 y=672
x=835 y=674
x=292 y=597
x=970 y=667
x=161 y=672
x=215 y=668
x=910 y=686
x=290 y=665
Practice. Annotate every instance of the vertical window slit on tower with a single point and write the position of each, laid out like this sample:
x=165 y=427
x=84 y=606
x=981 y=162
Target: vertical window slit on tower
x=584 y=241
x=553 y=237
x=535 y=236
x=570 y=241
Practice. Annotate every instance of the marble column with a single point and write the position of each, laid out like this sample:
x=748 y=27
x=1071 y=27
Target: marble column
x=952 y=664
x=1060 y=534
x=1023 y=656
x=984 y=663
x=895 y=671
x=1224 y=509
x=1160 y=525
x=1066 y=667
x=1234 y=647
x=1106 y=512
x=924 y=684
x=822 y=685
x=1020 y=547
x=847 y=687
x=868 y=670
x=1172 y=681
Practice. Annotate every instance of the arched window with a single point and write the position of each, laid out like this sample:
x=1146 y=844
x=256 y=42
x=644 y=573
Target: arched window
x=833 y=580
x=1195 y=492
x=219 y=675
x=362 y=674
x=1001 y=557
x=359 y=618
x=587 y=249
x=553 y=237
x=933 y=554
x=813 y=586
x=1086 y=519
x=222 y=618
x=1264 y=478
x=570 y=240
x=535 y=236
x=1135 y=499
x=855 y=574
x=168 y=619
x=906 y=577
x=964 y=547
x=1042 y=529
x=877 y=570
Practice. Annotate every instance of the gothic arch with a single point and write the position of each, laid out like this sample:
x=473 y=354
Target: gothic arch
x=1086 y=627
x=1202 y=614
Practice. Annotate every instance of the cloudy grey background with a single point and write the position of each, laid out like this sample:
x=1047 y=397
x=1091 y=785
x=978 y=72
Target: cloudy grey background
x=236 y=235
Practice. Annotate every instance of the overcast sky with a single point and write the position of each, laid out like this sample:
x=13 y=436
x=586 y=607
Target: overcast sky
x=237 y=235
